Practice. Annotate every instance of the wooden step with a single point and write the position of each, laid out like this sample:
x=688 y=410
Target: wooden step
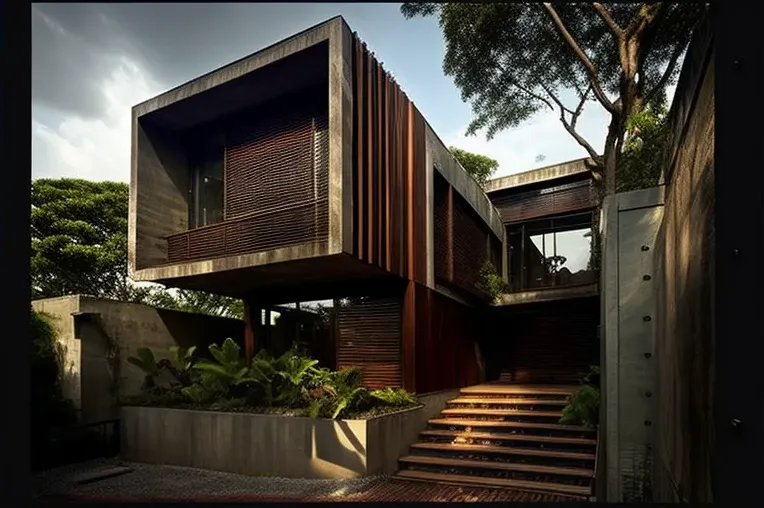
x=502 y=450
x=510 y=389
x=500 y=412
x=459 y=479
x=424 y=460
x=503 y=436
x=508 y=401
x=515 y=425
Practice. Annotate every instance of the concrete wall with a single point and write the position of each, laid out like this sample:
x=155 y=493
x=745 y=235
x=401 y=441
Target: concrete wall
x=273 y=445
x=99 y=336
x=685 y=289
x=631 y=223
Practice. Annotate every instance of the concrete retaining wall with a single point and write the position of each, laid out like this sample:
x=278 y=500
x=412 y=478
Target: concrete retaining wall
x=274 y=445
x=99 y=336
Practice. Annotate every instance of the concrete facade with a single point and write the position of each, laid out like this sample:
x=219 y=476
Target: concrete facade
x=159 y=195
x=539 y=175
x=630 y=226
x=159 y=172
x=99 y=336
x=267 y=445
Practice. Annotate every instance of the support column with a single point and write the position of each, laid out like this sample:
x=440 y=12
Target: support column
x=251 y=318
x=450 y=234
x=408 y=340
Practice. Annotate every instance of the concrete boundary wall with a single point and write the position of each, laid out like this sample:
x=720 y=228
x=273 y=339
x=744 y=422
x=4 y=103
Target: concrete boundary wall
x=268 y=445
x=630 y=226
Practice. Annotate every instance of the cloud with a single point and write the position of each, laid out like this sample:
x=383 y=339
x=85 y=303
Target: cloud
x=93 y=148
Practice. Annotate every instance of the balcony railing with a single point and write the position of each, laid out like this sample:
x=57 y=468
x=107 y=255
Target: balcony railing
x=289 y=226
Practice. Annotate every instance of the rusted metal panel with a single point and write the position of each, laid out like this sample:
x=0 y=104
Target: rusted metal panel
x=409 y=336
x=369 y=333
x=390 y=202
x=441 y=228
x=445 y=337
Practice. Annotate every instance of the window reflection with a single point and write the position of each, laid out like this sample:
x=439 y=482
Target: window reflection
x=551 y=253
x=207 y=188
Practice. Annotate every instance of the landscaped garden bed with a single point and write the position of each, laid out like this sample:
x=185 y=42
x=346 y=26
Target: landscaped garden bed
x=292 y=384
x=283 y=416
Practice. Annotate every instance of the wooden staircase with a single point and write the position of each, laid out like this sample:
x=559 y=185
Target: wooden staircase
x=506 y=435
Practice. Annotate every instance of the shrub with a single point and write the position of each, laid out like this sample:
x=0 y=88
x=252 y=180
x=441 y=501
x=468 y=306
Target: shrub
x=583 y=406
x=292 y=382
x=490 y=281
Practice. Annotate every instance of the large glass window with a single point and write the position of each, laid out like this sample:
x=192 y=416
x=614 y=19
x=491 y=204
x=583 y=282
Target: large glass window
x=207 y=188
x=551 y=253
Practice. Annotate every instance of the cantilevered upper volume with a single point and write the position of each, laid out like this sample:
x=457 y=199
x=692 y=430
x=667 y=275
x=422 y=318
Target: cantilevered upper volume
x=301 y=165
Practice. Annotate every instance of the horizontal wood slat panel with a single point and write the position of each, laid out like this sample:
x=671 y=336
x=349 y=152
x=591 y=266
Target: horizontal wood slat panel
x=563 y=198
x=370 y=338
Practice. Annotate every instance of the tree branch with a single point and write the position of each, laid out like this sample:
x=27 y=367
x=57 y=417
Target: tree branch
x=582 y=57
x=666 y=74
x=571 y=126
x=507 y=76
x=604 y=13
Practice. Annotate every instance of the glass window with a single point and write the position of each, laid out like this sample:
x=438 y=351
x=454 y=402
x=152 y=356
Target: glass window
x=551 y=253
x=207 y=189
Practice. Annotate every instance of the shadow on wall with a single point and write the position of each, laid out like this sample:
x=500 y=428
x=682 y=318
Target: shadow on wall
x=99 y=335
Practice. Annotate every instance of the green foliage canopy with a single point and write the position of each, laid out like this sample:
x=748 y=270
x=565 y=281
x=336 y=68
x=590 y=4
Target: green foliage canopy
x=513 y=60
x=479 y=166
x=79 y=238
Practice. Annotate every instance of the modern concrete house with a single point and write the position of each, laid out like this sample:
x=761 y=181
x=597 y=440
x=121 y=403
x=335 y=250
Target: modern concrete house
x=304 y=172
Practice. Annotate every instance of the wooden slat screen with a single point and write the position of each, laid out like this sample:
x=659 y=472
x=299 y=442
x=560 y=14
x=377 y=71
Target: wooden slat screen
x=370 y=338
x=276 y=190
x=563 y=198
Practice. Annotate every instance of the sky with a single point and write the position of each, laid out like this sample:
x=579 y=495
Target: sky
x=92 y=62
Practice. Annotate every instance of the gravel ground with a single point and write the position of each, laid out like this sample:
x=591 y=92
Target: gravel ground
x=170 y=482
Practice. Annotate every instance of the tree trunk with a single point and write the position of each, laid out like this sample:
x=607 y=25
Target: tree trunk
x=610 y=157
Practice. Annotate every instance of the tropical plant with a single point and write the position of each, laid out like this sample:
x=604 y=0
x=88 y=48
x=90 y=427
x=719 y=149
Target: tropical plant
x=179 y=364
x=146 y=361
x=583 y=405
x=393 y=396
x=490 y=281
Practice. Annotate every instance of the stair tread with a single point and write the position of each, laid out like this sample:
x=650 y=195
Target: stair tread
x=519 y=425
x=503 y=436
x=503 y=450
x=500 y=412
x=510 y=389
x=507 y=401
x=500 y=466
x=494 y=482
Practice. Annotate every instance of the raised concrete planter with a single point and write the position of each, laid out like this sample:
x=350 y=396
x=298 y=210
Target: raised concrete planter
x=274 y=445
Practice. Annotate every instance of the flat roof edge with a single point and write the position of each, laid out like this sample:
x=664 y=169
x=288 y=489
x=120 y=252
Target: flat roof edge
x=551 y=172
x=244 y=65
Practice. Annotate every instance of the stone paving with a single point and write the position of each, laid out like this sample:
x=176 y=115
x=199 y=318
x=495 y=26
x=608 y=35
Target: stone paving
x=147 y=482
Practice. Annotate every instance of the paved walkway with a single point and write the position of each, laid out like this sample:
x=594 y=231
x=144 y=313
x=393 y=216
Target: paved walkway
x=153 y=483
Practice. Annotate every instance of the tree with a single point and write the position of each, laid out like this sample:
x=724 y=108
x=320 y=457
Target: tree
x=79 y=238
x=79 y=246
x=514 y=60
x=479 y=166
x=639 y=167
x=197 y=301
